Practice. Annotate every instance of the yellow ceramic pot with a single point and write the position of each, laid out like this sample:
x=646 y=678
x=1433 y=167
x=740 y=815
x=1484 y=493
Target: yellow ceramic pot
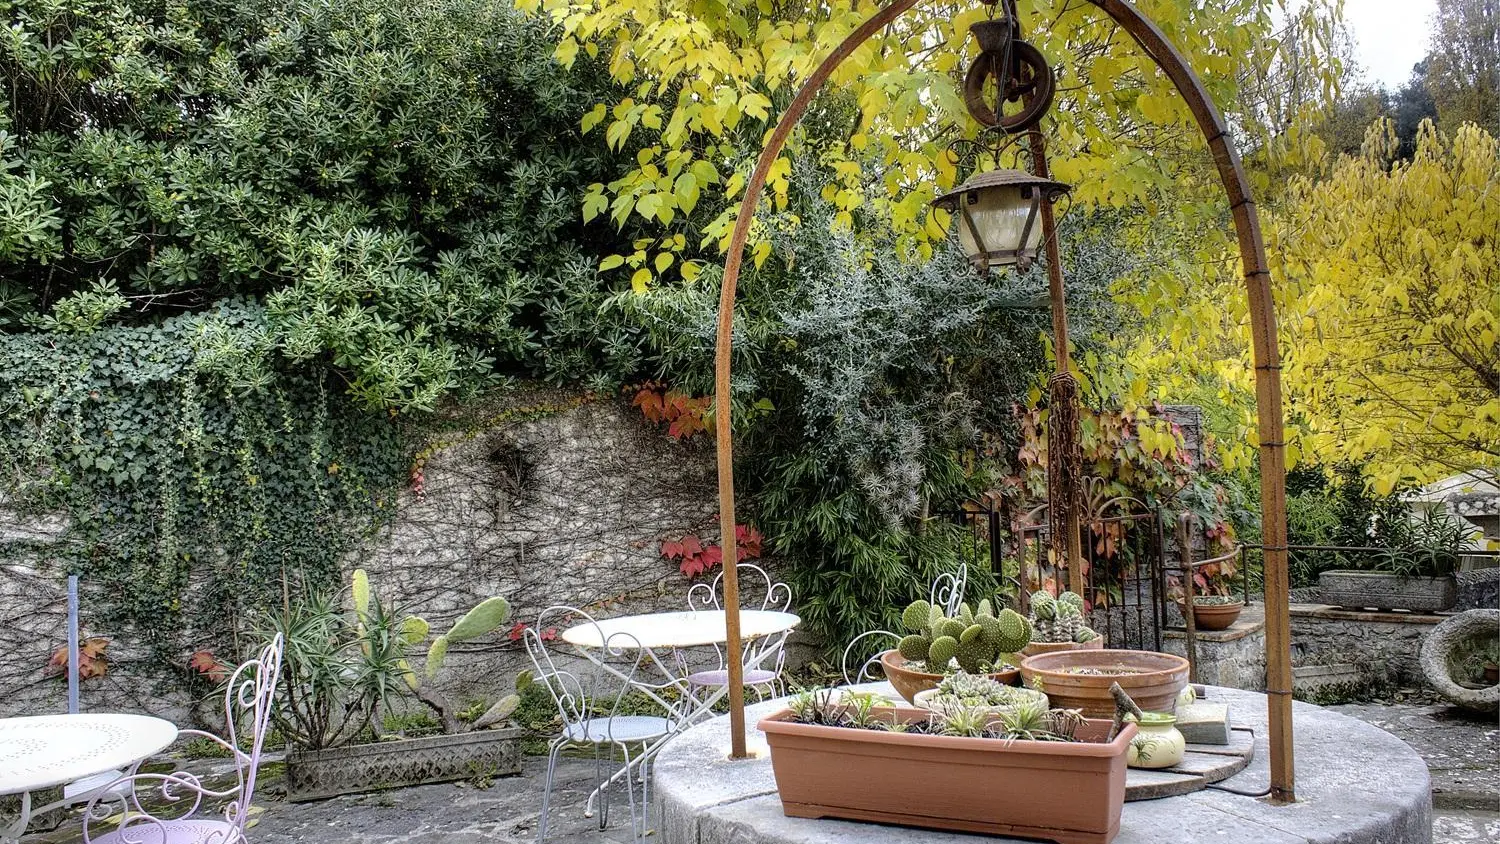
x=1157 y=744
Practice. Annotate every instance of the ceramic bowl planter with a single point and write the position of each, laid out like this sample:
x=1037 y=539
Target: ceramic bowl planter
x=1081 y=679
x=1063 y=791
x=1387 y=591
x=1213 y=616
x=1035 y=648
x=908 y=682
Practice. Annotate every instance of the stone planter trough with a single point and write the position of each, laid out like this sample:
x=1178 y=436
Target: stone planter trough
x=483 y=754
x=1386 y=591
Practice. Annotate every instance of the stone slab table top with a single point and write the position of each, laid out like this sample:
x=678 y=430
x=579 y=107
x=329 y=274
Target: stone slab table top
x=1355 y=783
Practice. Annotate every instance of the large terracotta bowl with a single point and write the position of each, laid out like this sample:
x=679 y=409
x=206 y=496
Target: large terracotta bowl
x=1094 y=644
x=1213 y=616
x=907 y=682
x=1151 y=679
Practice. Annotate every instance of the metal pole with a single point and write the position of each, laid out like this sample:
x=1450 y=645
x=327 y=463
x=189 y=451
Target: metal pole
x=1263 y=338
x=1185 y=555
x=1064 y=460
x=72 y=644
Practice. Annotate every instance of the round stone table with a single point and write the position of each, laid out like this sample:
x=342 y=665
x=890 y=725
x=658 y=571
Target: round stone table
x=1355 y=783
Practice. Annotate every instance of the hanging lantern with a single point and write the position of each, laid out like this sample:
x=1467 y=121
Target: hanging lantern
x=1000 y=216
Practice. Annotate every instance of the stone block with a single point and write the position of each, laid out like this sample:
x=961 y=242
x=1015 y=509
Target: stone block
x=1204 y=723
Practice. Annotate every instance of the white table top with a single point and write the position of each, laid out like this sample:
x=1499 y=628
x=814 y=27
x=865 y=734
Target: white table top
x=45 y=750
x=678 y=629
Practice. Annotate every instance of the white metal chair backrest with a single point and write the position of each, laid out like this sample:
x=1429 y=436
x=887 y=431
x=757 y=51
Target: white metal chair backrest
x=775 y=596
x=868 y=670
x=588 y=689
x=948 y=588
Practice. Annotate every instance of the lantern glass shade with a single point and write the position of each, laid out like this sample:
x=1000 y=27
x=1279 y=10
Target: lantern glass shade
x=998 y=215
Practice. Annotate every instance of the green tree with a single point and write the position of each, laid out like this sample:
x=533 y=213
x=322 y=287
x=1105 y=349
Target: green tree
x=1464 y=64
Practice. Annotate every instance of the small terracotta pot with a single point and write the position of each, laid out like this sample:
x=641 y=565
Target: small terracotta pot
x=1492 y=673
x=1064 y=791
x=907 y=682
x=1094 y=644
x=1213 y=616
x=1153 y=680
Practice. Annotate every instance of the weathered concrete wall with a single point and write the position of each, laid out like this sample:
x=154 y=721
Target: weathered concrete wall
x=568 y=506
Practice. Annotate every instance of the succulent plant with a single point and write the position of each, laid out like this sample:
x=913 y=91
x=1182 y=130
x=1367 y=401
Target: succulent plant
x=1059 y=619
x=977 y=640
x=963 y=689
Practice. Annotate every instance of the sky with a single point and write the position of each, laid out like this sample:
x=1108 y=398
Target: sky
x=1391 y=36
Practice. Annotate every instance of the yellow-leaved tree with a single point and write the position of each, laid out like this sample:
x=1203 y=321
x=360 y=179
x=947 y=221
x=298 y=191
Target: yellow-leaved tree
x=1388 y=295
x=702 y=81
x=1392 y=306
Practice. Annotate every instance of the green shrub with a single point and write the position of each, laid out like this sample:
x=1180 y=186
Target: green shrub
x=398 y=185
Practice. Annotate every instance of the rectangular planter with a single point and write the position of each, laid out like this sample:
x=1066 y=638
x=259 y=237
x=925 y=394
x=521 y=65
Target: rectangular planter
x=483 y=754
x=1386 y=591
x=1064 y=791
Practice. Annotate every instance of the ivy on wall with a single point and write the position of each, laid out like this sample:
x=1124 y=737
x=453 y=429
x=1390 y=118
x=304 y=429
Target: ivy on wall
x=188 y=504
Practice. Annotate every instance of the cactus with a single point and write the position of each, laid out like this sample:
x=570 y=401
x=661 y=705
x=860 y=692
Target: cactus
x=943 y=649
x=1059 y=619
x=915 y=647
x=488 y=616
x=917 y=617
x=1014 y=632
x=978 y=640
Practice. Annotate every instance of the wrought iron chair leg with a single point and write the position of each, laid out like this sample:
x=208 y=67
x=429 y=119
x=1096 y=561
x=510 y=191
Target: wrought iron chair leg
x=601 y=785
x=541 y=822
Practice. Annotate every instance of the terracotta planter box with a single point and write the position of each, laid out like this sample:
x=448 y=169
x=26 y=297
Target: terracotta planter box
x=1067 y=792
x=1152 y=679
x=1386 y=591
x=1213 y=616
x=483 y=754
x=907 y=682
x=1094 y=644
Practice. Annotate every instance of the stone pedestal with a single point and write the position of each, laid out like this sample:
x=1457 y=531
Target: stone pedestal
x=1234 y=658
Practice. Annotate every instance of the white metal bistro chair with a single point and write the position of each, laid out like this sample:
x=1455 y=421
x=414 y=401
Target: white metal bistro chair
x=248 y=697
x=588 y=691
x=757 y=674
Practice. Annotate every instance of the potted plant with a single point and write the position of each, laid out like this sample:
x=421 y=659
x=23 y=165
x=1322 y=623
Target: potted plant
x=963 y=690
x=1057 y=624
x=1083 y=679
x=1414 y=572
x=1028 y=771
x=979 y=642
x=1215 y=606
x=345 y=674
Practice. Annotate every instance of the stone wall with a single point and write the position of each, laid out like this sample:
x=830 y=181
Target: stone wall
x=1384 y=644
x=567 y=507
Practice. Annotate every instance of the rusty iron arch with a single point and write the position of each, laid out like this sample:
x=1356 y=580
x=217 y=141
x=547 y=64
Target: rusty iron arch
x=1263 y=341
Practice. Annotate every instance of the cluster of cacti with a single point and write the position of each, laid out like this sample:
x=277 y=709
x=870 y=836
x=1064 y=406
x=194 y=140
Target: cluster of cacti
x=485 y=618
x=962 y=689
x=977 y=640
x=1059 y=619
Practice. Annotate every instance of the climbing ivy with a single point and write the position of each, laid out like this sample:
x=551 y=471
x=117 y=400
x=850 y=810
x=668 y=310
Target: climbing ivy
x=188 y=503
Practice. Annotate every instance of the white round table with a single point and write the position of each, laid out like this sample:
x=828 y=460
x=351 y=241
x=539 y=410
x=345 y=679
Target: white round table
x=43 y=751
x=687 y=629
